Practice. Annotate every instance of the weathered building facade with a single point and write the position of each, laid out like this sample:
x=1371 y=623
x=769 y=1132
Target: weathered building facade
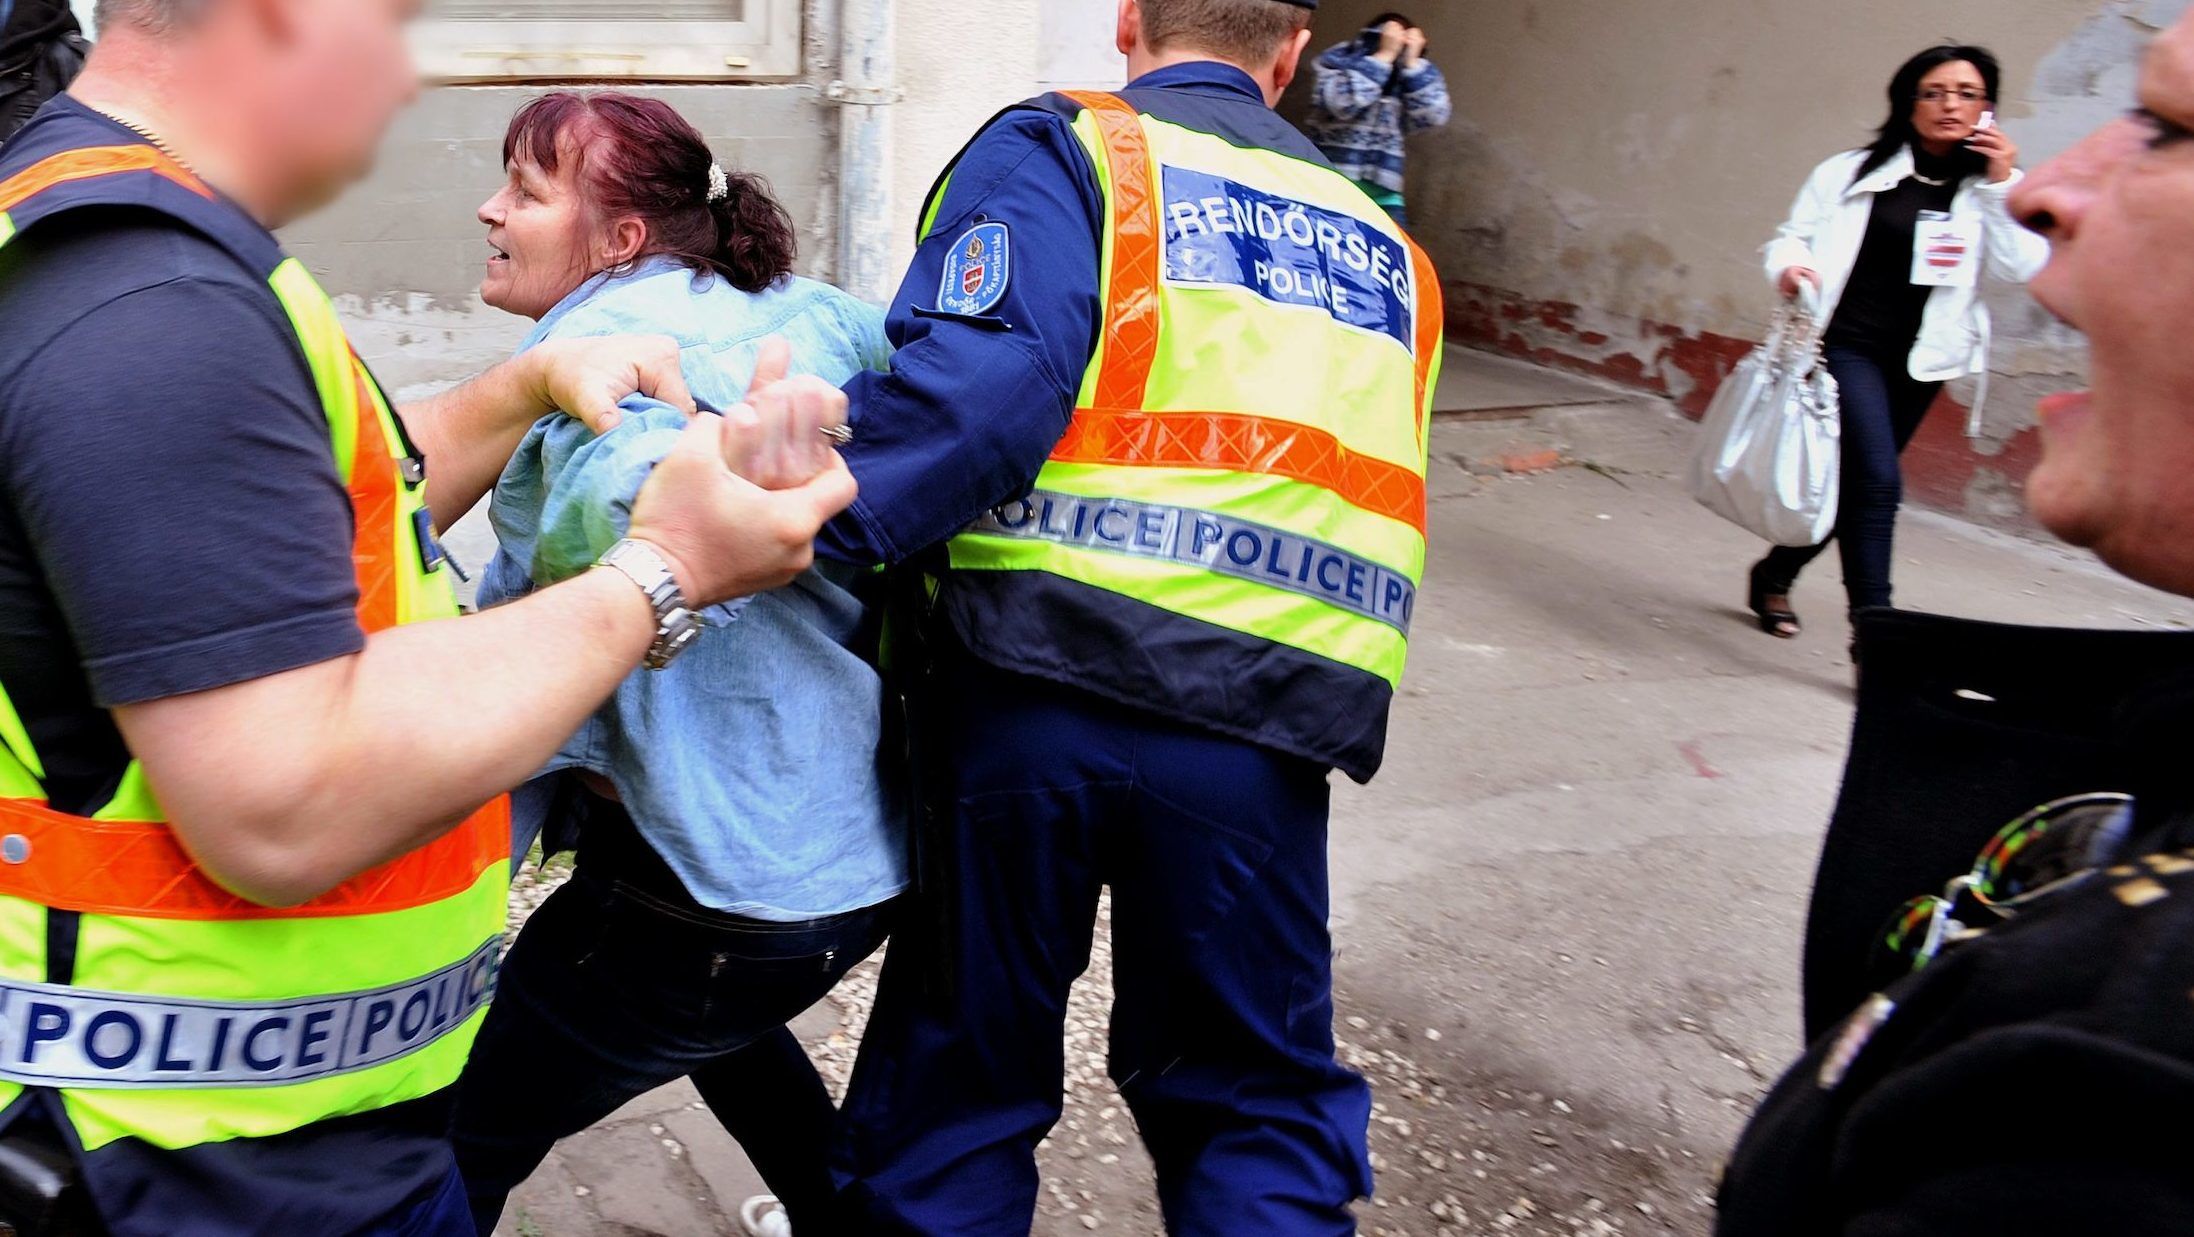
x=1599 y=201
x=849 y=107
x=1597 y=204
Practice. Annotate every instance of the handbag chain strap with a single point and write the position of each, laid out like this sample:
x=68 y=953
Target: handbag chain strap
x=1794 y=335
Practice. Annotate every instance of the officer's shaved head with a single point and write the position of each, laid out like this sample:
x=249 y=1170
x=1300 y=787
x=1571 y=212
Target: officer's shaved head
x=153 y=15
x=1248 y=32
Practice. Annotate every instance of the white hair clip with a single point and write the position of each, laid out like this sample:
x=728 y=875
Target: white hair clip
x=719 y=185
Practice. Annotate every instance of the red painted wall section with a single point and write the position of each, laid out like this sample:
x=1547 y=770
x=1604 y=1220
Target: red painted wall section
x=1942 y=469
x=1684 y=366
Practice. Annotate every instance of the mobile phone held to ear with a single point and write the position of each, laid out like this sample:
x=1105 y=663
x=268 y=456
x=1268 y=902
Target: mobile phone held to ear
x=1988 y=121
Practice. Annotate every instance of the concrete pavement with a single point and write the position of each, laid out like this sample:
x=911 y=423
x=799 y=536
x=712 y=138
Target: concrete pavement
x=1568 y=911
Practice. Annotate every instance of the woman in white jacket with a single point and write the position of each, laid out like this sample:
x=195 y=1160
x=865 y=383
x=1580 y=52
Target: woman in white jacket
x=1893 y=237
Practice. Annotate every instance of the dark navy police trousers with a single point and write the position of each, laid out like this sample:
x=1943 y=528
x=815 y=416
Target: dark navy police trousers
x=1221 y=1033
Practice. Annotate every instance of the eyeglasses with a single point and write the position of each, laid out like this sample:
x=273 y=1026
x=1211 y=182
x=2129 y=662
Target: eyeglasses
x=1936 y=95
x=2056 y=846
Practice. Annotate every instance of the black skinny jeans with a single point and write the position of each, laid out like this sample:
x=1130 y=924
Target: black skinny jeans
x=1883 y=406
x=621 y=983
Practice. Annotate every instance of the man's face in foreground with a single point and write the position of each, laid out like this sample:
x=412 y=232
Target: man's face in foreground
x=2117 y=471
x=340 y=71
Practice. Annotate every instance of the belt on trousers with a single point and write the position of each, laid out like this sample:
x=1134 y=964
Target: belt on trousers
x=57 y=1036
x=1225 y=544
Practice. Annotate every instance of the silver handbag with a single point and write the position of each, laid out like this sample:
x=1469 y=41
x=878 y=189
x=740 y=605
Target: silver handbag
x=1769 y=453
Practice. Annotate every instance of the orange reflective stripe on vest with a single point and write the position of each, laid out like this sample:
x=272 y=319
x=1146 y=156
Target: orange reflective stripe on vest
x=1131 y=320
x=93 y=161
x=1240 y=442
x=1431 y=317
x=128 y=867
x=373 y=502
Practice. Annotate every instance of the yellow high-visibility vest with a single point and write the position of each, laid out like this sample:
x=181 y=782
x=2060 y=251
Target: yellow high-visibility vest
x=183 y=1014
x=1247 y=455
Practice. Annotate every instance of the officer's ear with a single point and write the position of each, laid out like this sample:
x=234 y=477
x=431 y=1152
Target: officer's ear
x=1128 y=34
x=1290 y=61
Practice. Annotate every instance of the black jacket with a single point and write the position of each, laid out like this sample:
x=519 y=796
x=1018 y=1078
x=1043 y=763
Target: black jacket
x=2035 y=1081
x=41 y=50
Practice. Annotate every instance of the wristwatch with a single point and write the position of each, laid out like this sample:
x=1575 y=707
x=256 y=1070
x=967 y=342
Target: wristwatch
x=676 y=627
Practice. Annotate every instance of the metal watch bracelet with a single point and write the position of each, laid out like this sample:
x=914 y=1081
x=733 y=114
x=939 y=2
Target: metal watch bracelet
x=676 y=626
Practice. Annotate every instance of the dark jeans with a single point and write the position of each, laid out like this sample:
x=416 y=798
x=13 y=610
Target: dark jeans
x=1882 y=408
x=1221 y=1034
x=621 y=983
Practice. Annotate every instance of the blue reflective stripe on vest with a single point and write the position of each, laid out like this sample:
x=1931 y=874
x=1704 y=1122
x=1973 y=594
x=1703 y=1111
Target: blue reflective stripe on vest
x=59 y=1036
x=1226 y=544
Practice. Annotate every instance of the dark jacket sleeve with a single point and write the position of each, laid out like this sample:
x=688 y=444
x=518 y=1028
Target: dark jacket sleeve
x=975 y=402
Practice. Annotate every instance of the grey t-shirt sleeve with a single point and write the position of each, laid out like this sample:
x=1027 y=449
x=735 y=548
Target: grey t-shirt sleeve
x=170 y=465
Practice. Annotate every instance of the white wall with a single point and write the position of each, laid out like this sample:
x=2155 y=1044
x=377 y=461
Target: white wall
x=959 y=67
x=1077 y=52
x=958 y=64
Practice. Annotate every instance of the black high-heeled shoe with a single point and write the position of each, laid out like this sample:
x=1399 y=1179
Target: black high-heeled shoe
x=1782 y=624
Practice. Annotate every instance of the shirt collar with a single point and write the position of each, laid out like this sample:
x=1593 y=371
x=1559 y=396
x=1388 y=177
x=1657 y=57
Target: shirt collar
x=1209 y=75
x=645 y=268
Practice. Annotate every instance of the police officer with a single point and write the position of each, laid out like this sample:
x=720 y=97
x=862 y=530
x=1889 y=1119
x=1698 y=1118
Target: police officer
x=1160 y=398
x=250 y=900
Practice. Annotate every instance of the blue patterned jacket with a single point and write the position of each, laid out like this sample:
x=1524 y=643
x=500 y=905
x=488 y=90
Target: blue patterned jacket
x=1361 y=109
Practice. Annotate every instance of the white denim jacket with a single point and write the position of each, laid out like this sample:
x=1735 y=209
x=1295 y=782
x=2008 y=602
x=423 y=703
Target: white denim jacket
x=1828 y=222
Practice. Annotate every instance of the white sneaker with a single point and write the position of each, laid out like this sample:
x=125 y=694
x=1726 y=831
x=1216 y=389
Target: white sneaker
x=764 y=1216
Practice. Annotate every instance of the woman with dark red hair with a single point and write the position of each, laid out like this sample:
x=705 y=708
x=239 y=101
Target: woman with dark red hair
x=739 y=836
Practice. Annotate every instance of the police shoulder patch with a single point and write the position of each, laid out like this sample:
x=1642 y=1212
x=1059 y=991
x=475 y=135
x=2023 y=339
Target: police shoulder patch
x=976 y=271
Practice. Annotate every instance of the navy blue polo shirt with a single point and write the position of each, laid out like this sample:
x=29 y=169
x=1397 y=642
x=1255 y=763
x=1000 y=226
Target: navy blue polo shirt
x=171 y=521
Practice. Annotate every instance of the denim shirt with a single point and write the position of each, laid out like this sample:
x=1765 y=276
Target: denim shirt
x=752 y=763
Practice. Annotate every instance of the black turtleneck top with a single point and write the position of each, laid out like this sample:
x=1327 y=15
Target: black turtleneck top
x=1881 y=308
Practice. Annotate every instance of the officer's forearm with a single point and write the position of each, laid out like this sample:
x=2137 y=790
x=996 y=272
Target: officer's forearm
x=284 y=787
x=468 y=432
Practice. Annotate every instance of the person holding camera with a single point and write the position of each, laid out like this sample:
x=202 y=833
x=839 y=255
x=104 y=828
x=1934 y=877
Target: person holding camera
x=1368 y=95
x=1892 y=239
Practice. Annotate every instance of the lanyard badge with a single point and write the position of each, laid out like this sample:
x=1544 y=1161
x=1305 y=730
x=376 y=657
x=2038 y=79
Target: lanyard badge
x=1946 y=252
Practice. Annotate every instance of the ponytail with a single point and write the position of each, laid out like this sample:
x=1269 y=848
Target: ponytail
x=755 y=238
